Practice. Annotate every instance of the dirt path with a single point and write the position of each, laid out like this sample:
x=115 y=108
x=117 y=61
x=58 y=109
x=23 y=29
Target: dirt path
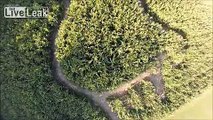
x=100 y=99
x=199 y=108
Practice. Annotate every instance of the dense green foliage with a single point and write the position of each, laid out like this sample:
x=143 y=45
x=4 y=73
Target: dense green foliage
x=186 y=71
x=28 y=91
x=101 y=44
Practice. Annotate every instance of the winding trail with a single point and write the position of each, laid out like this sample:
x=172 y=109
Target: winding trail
x=100 y=99
x=157 y=19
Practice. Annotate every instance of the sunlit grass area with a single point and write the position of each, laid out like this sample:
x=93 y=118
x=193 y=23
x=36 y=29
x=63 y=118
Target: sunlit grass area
x=200 y=108
x=101 y=44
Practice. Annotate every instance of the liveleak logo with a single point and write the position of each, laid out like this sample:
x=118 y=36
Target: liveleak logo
x=25 y=12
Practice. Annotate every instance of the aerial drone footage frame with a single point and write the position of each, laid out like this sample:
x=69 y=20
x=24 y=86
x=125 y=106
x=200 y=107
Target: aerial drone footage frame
x=103 y=59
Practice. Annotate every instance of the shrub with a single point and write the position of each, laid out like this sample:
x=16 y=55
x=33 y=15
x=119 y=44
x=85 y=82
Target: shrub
x=28 y=91
x=104 y=43
x=101 y=44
